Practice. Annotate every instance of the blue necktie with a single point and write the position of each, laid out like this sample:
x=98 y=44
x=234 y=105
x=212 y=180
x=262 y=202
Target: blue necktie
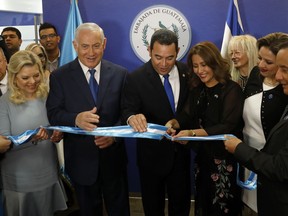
x=93 y=84
x=169 y=91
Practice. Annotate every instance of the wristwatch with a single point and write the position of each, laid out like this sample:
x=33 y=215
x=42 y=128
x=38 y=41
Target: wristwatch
x=193 y=133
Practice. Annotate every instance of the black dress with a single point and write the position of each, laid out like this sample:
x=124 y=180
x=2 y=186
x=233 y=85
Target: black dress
x=219 y=111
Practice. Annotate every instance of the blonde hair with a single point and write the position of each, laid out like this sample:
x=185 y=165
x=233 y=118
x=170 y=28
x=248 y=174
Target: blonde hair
x=248 y=44
x=17 y=62
x=33 y=46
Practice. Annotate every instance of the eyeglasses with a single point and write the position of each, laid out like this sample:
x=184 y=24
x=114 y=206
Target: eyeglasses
x=51 y=36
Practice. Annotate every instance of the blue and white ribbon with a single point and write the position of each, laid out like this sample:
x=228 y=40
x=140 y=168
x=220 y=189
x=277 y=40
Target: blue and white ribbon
x=154 y=131
x=250 y=183
x=24 y=137
x=200 y=138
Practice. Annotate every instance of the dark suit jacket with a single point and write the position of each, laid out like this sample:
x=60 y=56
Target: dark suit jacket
x=271 y=165
x=144 y=93
x=69 y=95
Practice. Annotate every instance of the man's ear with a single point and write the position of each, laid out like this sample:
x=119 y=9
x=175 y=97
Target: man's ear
x=149 y=50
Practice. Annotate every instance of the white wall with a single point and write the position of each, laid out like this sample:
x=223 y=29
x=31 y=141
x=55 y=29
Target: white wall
x=28 y=6
x=24 y=6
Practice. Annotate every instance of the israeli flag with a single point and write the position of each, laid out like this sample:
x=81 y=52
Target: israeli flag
x=74 y=20
x=233 y=26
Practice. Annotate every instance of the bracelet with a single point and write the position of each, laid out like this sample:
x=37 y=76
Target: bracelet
x=193 y=133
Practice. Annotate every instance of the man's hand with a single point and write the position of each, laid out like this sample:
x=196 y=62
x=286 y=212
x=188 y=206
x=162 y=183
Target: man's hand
x=231 y=143
x=138 y=123
x=173 y=123
x=87 y=120
x=103 y=141
x=41 y=135
x=56 y=136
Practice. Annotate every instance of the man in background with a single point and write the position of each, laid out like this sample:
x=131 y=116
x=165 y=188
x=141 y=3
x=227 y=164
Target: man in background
x=50 y=40
x=13 y=39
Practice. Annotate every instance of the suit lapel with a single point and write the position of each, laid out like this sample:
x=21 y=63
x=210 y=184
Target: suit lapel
x=106 y=75
x=183 y=88
x=155 y=80
x=279 y=124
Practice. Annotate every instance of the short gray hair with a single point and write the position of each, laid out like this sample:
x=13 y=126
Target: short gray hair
x=91 y=27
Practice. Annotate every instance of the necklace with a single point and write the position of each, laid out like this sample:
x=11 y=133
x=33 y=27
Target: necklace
x=270 y=82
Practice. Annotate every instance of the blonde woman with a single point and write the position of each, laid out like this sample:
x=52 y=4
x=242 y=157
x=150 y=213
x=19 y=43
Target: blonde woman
x=243 y=57
x=29 y=172
x=41 y=53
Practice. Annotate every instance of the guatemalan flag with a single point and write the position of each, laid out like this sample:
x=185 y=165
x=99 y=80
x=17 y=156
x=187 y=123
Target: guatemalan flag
x=233 y=26
x=74 y=20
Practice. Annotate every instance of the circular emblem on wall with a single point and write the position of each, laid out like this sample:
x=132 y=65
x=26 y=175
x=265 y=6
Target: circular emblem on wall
x=157 y=17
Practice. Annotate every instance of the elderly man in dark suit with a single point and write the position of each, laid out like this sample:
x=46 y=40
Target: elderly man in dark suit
x=271 y=163
x=96 y=165
x=164 y=166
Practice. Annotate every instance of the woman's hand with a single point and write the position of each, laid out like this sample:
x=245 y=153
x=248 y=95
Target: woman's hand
x=171 y=131
x=56 y=136
x=41 y=135
x=182 y=133
x=4 y=144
